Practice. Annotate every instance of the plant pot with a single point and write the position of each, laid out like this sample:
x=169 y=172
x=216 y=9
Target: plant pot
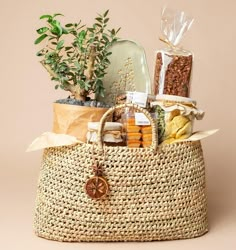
x=73 y=120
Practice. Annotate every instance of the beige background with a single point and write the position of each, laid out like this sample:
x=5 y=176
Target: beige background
x=27 y=95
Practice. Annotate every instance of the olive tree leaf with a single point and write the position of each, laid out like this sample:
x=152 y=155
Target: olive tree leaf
x=108 y=53
x=118 y=30
x=87 y=85
x=55 y=31
x=113 y=32
x=81 y=83
x=42 y=30
x=58 y=25
x=99 y=89
x=40 y=39
x=99 y=19
x=60 y=45
x=65 y=31
x=57 y=14
x=68 y=48
x=102 y=92
x=91 y=29
x=105 y=38
x=77 y=65
x=99 y=25
x=39 y=53
x=46 y=16
x=69 y=25
x=81 y=27
x=81 y=37
x=105 y=14
x=106 y=20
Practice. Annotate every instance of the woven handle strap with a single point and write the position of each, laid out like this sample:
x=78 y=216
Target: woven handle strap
x=110 y=111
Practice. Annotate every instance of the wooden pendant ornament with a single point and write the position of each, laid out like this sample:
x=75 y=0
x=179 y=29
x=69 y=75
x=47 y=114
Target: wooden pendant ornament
x=97 y=187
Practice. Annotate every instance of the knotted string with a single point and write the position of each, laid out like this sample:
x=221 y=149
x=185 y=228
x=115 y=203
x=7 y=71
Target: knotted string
x=171 y=45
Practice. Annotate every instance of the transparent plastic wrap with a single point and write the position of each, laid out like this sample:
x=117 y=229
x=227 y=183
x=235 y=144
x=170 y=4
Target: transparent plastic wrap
x=173 y=64
x=132 y=97
x=138 y=130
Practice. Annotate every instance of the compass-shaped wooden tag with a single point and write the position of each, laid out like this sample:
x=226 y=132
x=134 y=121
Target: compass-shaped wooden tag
x=97 y=187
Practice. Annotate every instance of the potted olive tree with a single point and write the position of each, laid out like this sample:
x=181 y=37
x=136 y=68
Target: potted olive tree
x=76 y=57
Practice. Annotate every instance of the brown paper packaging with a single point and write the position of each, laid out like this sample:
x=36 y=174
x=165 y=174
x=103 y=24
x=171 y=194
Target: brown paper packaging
x=73 y=120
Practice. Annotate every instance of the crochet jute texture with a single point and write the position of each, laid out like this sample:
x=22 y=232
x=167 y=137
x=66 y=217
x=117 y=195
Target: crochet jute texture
x=153 y=195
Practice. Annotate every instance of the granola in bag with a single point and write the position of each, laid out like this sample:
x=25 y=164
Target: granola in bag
x=173 y=64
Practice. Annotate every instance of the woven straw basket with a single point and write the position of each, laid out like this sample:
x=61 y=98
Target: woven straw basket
x=154 y=193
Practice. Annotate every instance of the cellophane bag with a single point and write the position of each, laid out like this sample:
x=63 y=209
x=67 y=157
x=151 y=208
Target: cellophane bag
x=173 y=64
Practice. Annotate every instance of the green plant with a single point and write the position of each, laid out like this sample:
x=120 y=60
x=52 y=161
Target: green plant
x=76 y=56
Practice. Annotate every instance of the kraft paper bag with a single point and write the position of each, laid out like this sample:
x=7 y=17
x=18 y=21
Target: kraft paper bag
x=73 y=120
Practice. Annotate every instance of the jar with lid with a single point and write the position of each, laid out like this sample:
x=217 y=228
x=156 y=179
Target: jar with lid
x=175 y=117
x=112 y=136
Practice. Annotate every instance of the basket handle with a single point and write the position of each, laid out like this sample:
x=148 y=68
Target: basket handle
x=154 y=144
